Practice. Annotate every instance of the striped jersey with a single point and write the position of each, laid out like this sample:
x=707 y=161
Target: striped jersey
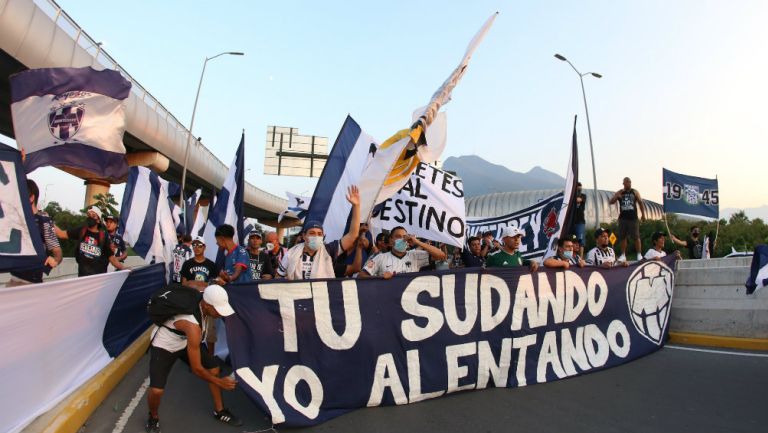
x=412 y=261
x=597 y=256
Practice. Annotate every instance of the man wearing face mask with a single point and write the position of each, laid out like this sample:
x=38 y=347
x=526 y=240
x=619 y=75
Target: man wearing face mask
x=274 y=250
x=94 y=251
x=400 y=259
x=566 y=256
x=313 y=258
x=693 y=242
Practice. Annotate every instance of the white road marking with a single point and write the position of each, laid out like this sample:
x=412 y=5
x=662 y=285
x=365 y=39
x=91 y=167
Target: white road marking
x=120 y=424
x=722 y=352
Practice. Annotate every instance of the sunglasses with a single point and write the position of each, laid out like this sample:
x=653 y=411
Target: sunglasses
x=198 y=245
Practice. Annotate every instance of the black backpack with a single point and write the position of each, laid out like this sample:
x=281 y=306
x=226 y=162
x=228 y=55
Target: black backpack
x=172 y=300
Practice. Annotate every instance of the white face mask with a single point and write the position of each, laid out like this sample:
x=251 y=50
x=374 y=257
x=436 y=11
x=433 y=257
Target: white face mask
x=270 y=246
x=314 y=242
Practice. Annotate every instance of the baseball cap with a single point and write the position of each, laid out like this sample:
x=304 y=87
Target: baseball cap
x=510 y=231
x=109 y=216
x=219 y=300
x=600 y=231
x=254 y=233
x=573 y=238
x=313 y=225
x=199 y=239
x=657 y=235
x=95 y=210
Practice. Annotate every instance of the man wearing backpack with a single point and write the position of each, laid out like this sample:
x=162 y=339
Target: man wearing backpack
x=183 y=315
x=94 y=249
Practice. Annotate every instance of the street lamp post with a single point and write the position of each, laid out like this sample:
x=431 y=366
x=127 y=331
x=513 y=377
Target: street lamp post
x=589 y=129
x=189 y=136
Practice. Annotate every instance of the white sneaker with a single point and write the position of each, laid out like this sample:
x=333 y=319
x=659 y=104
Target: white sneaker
x=622 y=258
x=639 y=257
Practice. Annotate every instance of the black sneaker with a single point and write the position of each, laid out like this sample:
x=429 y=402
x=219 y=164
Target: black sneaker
x=226 y=417
x=153 y=425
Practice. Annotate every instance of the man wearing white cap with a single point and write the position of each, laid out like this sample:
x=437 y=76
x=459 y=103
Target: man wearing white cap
x=180 y=338
x=509 y=256
x=94 y=249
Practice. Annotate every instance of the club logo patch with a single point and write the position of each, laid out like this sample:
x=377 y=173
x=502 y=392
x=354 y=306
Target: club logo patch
x=649 y=299
x=65 y=121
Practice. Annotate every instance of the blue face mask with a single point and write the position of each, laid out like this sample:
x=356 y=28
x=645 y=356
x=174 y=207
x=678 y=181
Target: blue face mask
x=568 y=254
x=314 y=242
x=400 y=245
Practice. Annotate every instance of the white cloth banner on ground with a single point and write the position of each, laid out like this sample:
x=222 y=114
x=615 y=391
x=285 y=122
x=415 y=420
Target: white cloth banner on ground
x=429 y=205
x=52 y=339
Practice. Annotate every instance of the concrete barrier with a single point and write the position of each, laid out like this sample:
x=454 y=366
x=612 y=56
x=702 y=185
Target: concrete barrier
x=710 y=299
x=68 y=269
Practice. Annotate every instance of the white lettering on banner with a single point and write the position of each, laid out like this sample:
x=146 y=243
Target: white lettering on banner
x=324 y=321
x=487 y=366
x=414 y=380
x=286 y=294
x=457 y=372
x=458 y=326
x=490 y=284
x=410 y=303
x=385 y=376
x=522 y=344
x=300 y=373
x=265 y=387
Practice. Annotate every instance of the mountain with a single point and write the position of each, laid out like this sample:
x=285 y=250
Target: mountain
x=751 y=212
x=483 y=177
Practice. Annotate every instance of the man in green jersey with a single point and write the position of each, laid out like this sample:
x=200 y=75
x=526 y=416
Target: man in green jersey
x=508 y=255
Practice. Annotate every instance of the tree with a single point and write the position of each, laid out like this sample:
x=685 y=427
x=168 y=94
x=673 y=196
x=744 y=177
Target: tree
x=105 y=202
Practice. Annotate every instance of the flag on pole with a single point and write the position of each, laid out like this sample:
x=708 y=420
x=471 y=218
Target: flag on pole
x=416 y=148
x=690 y=195
x=228 y=208
x=565 y=215
x=73 y=119
x=146 y=218
x=21 y=245
x=758 y=273
x=355 y=159
x=298 y=206
x=189 y=211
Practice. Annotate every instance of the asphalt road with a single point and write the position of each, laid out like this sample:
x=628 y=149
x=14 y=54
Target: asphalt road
x=673 y=390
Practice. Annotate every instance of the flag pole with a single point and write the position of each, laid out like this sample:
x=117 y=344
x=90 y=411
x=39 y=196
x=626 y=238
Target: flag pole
x=717 y=230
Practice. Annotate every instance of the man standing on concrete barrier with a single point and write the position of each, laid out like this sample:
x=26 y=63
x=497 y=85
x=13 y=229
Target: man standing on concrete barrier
x=179 y=338
x=629 y=201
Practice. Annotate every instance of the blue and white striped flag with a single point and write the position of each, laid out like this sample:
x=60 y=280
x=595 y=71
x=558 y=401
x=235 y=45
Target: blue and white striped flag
x=758 y=273
x=228 y=208
x=298 y=207
x=73 y=119
x=355 y=159
x=146 y=219
x=189 y=211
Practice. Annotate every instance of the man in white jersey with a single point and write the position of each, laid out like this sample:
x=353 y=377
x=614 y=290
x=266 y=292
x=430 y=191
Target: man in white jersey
x=400 y=259
x=180 y=338
x=603 y=255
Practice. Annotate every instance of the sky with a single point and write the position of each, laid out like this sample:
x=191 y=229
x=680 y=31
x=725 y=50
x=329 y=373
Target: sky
x=683 y=82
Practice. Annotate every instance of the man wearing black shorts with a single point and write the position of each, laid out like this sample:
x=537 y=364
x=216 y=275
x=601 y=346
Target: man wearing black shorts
x=180 y=338
x=629 y=201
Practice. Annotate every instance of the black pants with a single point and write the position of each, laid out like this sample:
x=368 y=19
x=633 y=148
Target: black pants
x=161 y=361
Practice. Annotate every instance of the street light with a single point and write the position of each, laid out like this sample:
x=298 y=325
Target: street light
x=189 y=136
x=589 y=129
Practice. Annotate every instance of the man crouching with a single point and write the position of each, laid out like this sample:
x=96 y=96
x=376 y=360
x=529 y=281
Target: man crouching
x=168 y=342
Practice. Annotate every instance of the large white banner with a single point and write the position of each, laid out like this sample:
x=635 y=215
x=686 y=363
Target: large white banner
x=429 y=205
x=52 y=339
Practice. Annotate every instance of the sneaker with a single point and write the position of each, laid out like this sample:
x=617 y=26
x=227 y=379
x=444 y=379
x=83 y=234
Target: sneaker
x=153 y=425
x=639 y=257
x=226 y=417
x=622 y=258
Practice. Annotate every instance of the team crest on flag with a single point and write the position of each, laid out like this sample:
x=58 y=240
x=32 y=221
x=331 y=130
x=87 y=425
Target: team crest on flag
x=65 y=121
x=692 y=194
x=550 y=223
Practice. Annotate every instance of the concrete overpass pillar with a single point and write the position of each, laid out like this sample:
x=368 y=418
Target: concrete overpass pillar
x=94 y=187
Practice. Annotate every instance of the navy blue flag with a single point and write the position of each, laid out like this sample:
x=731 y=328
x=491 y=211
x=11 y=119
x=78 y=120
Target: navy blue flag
x=758 y=272
x=21 y=244
x=539 y=222
x=307 y=351
x=690 y=195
